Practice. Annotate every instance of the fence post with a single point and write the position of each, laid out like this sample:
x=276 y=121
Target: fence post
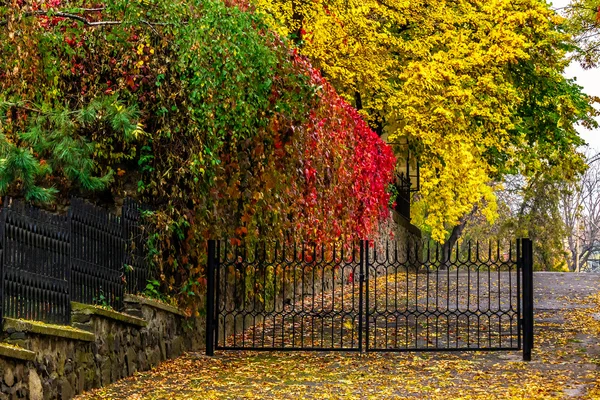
x=527 y=254
x=210 y=299
x=2 y=250
x=66 y=227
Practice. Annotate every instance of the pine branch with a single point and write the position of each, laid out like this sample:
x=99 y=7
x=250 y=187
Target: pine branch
x=21 y=106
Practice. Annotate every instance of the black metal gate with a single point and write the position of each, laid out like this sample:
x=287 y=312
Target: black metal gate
x=370 y=296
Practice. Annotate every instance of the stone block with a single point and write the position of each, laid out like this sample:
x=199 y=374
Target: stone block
x=153 y=356
x=117 y=344
x=84 y=327
x=68 y=368
x=134 y=312
x=17 y=336
x=80 y=357
x=60 y=363
x=110 y=341
x=144 y=338
x=169 y=352
x=19 y=369
x=137 y=340
x=163 y=349
x=50 y=364
x=19 y=390
x=176 y=346
x=65 y=389
x=131 y=361
x=36 y=391
x=9 y=377
x=51 y=391
x=47 y=329
x=102 y=347
x=70 y=351
x=80 y=381
x=117 y=370
x=72 y=379
x=41 y=369
x=105 y=373
x=92 y=378
x=81 y=318
x=142 y=361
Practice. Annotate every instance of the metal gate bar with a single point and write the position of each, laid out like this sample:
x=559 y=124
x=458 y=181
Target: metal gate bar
x=443 y=301
x=374 y=297
x=295 y=297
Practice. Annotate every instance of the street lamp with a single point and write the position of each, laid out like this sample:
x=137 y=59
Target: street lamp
x=407 y=176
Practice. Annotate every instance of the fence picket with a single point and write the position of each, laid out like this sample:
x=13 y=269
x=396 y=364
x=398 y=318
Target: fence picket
x=47 y=260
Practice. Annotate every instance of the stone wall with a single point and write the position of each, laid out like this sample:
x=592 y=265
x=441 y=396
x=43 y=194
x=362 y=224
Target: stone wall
x=40 y=361
x=398 y=232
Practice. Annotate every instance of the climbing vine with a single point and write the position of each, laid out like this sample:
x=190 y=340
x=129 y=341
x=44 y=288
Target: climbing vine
x=196 y=108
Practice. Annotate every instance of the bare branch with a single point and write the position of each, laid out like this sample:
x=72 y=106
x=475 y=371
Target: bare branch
x=81 y=19
x=580 y=208
x=84 y=20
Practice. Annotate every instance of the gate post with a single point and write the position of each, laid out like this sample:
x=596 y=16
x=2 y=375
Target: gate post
x=363 y=246
x=366 y=290
x=527 y=254
x=210 y=299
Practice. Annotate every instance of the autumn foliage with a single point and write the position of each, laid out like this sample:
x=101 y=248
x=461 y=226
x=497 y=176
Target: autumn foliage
x=196 y=108
x=476 y=88
x=341 y=152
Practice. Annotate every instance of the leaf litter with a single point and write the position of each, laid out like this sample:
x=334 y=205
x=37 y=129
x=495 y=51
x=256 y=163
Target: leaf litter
x=565 y=364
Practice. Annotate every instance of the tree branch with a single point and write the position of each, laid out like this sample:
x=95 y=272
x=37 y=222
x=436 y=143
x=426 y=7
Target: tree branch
x=81 y=19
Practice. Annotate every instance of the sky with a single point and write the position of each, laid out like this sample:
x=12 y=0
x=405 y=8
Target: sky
x=590 y=81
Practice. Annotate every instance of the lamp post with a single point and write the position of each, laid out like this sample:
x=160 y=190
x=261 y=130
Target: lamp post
x=407 y=176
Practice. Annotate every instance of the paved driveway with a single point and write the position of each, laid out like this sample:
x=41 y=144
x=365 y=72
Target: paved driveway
x=566 y=362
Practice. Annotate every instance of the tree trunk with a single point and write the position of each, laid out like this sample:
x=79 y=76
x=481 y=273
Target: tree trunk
x=358 y=100
x=450 y=243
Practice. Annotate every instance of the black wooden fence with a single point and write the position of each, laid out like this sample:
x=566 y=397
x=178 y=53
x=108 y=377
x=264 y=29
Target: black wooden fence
x=47 y=261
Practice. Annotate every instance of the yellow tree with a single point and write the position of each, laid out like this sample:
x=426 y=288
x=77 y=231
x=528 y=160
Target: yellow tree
x=584 y=22
x=475 y=86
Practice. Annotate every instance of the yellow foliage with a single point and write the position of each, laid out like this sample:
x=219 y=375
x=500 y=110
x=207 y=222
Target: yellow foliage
x=438 y=74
